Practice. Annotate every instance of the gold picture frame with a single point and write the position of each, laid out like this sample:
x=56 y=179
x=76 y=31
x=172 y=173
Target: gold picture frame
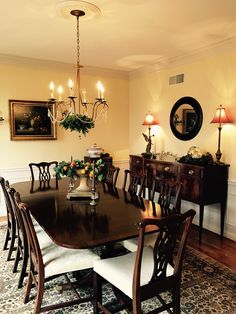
x=29 y=120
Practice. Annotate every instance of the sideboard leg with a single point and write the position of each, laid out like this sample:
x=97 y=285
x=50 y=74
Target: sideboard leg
x=201 y=222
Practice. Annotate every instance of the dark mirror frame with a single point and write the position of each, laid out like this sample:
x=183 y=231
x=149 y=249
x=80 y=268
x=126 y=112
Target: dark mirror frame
x=198 y=110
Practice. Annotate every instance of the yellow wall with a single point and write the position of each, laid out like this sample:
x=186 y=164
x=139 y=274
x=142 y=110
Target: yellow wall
x=24 y=79
x=211 y=81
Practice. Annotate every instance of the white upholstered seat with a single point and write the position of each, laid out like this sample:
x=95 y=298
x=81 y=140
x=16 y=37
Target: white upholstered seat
x=122 y=277
x=58 y=260
x=132 y=244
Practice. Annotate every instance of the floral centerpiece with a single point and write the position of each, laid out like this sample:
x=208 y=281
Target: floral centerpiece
x=76 y=168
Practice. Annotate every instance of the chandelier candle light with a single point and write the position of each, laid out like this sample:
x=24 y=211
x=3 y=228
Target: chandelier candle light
x=76 y=113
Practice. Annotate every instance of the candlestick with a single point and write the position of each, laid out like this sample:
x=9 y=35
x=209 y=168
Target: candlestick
x=94 y=194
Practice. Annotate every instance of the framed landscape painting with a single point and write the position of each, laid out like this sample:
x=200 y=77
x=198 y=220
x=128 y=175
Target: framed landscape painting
x=29 y=120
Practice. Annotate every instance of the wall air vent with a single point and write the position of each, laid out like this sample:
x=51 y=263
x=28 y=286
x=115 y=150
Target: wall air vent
x=179 y=78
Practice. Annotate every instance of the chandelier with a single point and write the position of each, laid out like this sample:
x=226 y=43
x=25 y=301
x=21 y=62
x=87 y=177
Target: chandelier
x=76 y=113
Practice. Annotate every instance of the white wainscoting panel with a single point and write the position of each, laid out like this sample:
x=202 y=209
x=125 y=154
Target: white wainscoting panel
x=12 y=175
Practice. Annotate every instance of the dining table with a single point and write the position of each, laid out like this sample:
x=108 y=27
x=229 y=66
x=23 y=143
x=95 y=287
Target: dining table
x=75 y=223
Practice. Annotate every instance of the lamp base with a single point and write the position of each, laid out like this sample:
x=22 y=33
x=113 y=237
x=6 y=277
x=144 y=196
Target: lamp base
x=218 y=157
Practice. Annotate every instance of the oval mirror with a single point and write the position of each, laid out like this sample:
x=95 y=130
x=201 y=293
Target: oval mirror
x=186 y=118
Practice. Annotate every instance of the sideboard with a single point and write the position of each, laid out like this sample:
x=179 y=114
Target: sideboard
x=202 y=185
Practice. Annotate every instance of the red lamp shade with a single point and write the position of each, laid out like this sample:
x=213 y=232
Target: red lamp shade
x=150 y=120
x=220 y=116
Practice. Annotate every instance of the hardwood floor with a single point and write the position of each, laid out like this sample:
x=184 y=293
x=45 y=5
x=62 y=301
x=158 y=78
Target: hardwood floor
x=221 y=249
x=3 y=218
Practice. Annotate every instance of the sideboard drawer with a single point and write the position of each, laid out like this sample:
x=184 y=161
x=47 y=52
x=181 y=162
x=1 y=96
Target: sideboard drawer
x=165 y=169
x=190 y=170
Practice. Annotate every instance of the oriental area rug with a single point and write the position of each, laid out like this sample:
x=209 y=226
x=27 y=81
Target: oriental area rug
x=207 y=288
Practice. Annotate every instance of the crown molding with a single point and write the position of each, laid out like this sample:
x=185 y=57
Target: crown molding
x=218 y=48
x=59 y=66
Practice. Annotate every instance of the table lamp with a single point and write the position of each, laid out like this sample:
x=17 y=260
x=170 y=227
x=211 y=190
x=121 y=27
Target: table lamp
x=149 y=121
x=220 y=118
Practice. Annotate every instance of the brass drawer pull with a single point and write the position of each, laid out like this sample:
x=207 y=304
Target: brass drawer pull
x=191 y=172
x=167 y=168
x=137 y=161
x=147 y=165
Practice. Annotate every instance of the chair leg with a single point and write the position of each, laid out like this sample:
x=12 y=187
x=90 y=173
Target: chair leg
x=13 y=237
x=39 y=297
x=176 y=299
x=17 y=259
x=137 y=305
x=23 y=269
x=28 y=285
x=7 y=238
x=97 y=291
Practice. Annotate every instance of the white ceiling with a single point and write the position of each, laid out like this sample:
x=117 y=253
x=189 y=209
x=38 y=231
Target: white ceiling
x=128 y=35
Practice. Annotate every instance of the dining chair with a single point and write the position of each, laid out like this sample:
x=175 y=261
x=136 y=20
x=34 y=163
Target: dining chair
x=169 y=194
x=111 y=176
x=150 y=271
x=22 y=245
x=169 y=199
x=48 y=260
x=11 y=233
x=133 y=183
x=42 y=169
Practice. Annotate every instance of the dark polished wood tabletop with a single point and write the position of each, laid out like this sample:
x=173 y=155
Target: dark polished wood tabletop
x=76 y=223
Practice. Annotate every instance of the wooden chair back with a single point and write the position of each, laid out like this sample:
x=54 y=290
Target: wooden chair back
x=169 y=196
x=170 y=229
x=43 y=169
x=111 y=176
x=44 y=175
x=35 y=255
x=22 y=245
x=11 y=220
x=133 y=183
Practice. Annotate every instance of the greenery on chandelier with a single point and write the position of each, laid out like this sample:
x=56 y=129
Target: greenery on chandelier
x=77 y=122
x=75 y=168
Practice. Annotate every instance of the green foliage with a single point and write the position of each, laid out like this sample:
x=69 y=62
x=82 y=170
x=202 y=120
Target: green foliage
x=77 y=122
x=206 y=159
x=75 y=168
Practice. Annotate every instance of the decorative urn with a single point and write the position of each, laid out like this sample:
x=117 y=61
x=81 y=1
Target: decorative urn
x=95 y=151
